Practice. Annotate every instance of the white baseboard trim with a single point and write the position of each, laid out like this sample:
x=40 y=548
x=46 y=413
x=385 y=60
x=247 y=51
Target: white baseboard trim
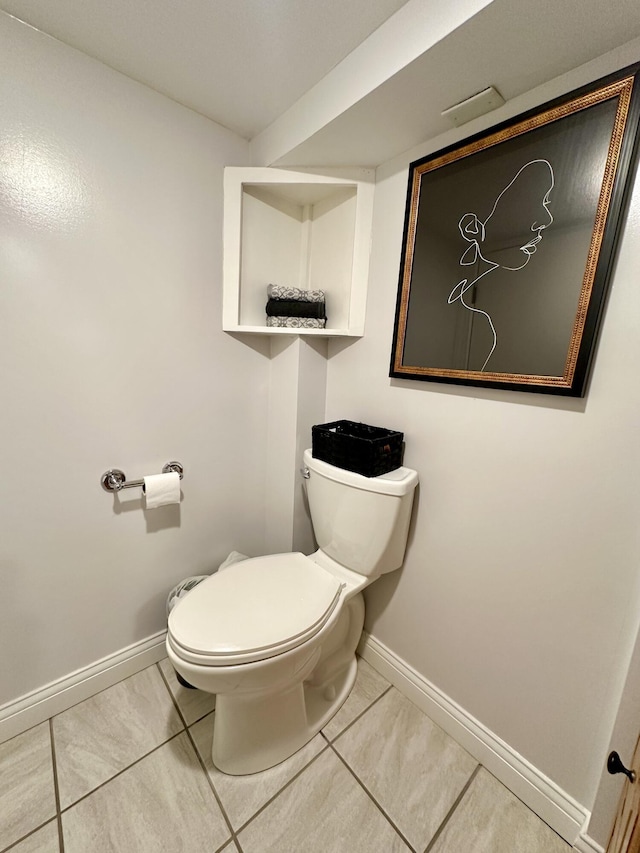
x=36 y=707
x=563 y=814
x=567 y=817
x=585 y=844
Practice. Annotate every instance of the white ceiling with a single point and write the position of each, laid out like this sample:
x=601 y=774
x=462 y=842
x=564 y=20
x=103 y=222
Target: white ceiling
x=514 y=45
x=340 y=82
x=240 y=62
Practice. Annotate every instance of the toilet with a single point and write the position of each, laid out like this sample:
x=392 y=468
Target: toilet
x=275 y=637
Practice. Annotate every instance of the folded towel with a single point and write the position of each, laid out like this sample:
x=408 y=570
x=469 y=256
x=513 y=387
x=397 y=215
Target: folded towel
x=275 y=291
x=296 y=322
x=294 y=308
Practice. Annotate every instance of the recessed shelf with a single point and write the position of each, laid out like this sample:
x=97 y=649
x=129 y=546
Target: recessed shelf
x=296 y=229
x=277 y=330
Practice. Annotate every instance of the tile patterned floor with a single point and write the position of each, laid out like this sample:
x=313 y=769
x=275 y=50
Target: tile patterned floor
x=129 y=771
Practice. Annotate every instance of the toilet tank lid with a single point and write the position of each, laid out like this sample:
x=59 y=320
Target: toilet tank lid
x=261 y=604
x=399 y=482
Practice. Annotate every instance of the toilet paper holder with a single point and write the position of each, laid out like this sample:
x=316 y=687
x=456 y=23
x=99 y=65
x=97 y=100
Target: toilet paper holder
x=114 y=479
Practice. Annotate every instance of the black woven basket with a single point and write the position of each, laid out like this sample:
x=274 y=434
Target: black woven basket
x=365 y=449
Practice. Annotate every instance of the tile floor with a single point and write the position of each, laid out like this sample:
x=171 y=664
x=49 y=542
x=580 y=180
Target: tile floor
x=129 y=771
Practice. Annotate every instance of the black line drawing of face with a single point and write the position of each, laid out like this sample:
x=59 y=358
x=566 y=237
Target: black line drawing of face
x=518 y=209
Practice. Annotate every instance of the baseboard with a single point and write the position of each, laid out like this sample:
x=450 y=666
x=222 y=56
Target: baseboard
x=35 y=707
x=563 y=814
x=584 y=844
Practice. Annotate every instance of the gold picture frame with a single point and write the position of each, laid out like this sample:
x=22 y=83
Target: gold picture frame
x=508 y=245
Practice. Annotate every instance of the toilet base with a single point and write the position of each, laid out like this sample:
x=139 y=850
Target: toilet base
x=254 y=733
x=269 y=709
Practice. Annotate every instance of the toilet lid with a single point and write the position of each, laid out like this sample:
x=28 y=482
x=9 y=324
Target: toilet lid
x=255 y=609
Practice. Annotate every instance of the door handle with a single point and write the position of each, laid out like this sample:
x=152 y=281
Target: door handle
x=615 y=765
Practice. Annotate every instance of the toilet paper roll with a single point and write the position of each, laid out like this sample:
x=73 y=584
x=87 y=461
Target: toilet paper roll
x=162 y=489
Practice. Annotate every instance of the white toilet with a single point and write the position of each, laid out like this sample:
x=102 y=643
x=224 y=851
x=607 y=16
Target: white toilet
x=275 y=637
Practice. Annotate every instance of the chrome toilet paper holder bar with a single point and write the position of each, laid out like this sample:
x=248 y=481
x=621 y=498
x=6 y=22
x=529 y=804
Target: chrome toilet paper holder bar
x=114 y=479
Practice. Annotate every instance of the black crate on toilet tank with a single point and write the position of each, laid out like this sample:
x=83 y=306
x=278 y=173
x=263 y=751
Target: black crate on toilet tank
x=367 y=450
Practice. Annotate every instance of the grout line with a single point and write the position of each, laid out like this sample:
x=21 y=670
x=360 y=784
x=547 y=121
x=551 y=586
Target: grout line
x=214 y=792
x=120 y=772
x=201 y=761
x=523 y=804
x=31 y=832
x=373 y=800
x=56 y=787
x=315 y=757
x=449 y=814
x=200 y=719
x=133 y=763
x=173 y=698
x=177 y=706
x=91 y=696
x=184 y=730
x=284 y=787
x=56 y=794
x=226 y=844
x=360 y=715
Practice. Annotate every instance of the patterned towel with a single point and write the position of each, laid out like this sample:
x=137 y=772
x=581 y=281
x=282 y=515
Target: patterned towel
x=275 y=291
x=296 y=322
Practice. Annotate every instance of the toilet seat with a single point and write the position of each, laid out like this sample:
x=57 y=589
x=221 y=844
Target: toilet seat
x=255 y=610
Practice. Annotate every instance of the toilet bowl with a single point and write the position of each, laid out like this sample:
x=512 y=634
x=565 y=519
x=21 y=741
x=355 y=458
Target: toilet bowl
x=274 y=637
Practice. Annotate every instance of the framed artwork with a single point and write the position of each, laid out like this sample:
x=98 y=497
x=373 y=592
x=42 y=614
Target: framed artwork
x=509 y=243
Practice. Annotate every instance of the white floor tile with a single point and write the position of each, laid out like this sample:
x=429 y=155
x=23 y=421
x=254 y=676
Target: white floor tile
x=411 y=767
x=45 y=840
x=162 y=803
x=106 y=733
x=324 y=809
x=27 y=794
x=489 y=819
x=125 y=789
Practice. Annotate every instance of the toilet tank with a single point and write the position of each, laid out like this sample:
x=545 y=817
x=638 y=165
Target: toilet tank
x=361 y=522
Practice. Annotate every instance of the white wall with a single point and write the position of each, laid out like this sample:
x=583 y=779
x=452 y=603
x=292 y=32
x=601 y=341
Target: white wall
x=519 y=594
x=112 y=356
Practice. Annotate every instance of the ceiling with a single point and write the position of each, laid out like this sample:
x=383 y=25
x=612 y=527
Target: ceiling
x=239 y=62
x=514 y=45
x=342 y=82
